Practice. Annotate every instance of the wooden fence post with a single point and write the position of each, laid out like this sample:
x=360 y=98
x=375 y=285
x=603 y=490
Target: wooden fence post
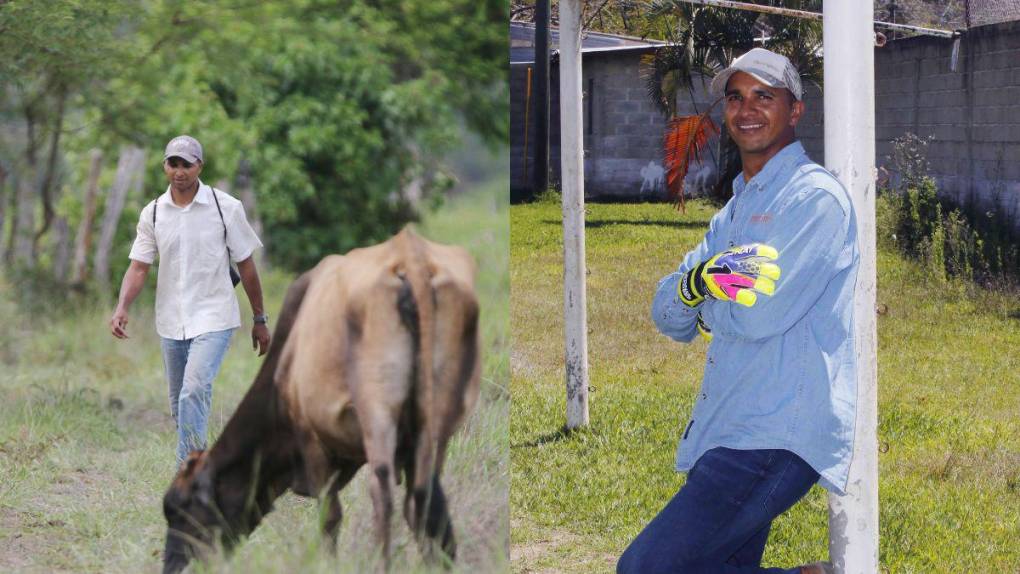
x=129 y=167
x=83 y=240
x=246 y=194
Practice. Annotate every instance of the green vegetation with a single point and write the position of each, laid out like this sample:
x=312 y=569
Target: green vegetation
x=969 y=242
x=332 y=111
x=950 y=470
x=86 y=441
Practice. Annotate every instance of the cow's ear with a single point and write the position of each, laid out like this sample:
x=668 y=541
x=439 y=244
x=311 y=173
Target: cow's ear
x=190 y=464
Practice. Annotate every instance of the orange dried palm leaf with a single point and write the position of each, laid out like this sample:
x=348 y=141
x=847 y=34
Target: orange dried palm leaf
x=685 y=141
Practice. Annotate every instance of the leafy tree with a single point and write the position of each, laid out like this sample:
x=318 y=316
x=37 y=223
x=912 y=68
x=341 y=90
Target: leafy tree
x=339 y=107
x=54 y=51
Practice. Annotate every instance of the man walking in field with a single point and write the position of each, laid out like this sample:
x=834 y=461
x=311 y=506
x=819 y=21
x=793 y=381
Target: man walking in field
x=771 y=285
x=194 y=229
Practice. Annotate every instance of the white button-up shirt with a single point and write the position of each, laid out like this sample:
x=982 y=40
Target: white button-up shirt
x=193 y=290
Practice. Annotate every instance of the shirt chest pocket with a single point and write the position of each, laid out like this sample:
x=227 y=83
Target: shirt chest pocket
x=753 y=224
x=211 y=246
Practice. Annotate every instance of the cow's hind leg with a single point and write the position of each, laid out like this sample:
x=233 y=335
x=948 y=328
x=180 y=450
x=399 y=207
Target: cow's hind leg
x=380 y=445
x=428 y=516
x=383 y=351
x=333 y=513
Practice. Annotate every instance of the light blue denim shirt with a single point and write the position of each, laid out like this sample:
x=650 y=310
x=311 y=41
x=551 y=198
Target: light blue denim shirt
x=783 y=373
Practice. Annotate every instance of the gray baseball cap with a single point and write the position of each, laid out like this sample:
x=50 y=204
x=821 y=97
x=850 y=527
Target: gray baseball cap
x=184 y=147
x=772 y=69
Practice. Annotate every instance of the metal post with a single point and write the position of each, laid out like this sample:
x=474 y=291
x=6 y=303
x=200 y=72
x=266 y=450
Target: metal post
x=527 y=125
x=572 y=162
x=766 y=9
x=540 y=177
x=850 y=155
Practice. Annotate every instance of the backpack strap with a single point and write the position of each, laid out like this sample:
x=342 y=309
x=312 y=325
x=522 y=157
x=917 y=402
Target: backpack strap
x=216 y=199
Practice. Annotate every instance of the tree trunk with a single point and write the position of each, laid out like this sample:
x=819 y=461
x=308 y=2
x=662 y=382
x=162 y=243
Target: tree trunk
x=61 y=247
x=24 y=218
x=8 y=243
x=3 y=205
x=129 y=167
x=83 y=240
x=24 y=222
x=46 y=187
x=246 y=194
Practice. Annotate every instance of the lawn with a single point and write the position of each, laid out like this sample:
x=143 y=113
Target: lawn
x=949 y=406
x=86 y=441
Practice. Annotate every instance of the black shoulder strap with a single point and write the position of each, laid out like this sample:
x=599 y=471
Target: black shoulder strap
x=217 y=200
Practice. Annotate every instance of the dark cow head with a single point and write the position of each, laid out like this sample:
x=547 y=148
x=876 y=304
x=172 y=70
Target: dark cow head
x=194 y=520
x=206 y=505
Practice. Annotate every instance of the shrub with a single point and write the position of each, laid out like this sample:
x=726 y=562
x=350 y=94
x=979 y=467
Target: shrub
x=964 y=242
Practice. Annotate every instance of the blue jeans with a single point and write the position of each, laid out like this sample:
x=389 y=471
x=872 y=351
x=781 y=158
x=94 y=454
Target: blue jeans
x=190 y=366
x=719 y=521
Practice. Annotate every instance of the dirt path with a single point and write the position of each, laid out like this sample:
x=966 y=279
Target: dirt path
x=61 y=488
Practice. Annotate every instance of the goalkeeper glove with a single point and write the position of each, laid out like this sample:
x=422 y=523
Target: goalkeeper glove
x=733 y=275
x=704 y=329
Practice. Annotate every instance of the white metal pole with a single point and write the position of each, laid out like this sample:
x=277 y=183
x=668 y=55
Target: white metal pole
x=572 y=172
x=850 y=154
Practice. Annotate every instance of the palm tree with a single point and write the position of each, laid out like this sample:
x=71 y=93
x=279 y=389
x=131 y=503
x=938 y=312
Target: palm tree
x=701 y=41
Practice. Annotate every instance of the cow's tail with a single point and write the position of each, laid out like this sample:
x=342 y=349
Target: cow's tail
x=418 y=275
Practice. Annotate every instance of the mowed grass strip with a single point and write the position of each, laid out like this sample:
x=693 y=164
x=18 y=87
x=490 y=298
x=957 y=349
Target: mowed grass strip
x=949 y=380
x=86 y=441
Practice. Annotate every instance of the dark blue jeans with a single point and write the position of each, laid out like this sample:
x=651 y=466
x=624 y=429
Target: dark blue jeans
x=719 y=521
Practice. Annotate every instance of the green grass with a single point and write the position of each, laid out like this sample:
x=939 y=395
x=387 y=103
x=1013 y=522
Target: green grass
x=949 y=393
x=86 y=441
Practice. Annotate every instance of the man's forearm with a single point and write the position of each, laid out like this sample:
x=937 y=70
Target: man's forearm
x=131 y=285
x=252 y=285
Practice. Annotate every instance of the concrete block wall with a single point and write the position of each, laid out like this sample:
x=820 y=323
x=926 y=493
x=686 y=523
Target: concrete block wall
x=973 y=113
x=623 y=132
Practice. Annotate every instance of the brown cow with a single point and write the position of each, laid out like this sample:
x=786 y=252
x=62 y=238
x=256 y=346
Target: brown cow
x=374 y=360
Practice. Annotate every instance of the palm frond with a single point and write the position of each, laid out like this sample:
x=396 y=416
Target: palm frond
x=686 y=140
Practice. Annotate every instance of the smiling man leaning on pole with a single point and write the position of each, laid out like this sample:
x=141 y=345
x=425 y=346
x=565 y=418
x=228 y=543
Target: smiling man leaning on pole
x=771 y=285
x=194 y=229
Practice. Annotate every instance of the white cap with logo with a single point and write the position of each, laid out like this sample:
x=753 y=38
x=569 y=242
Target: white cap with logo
x=772 y=69
x=184 y=147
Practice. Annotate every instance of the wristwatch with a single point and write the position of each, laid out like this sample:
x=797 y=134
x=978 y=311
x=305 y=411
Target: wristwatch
x=263 y=318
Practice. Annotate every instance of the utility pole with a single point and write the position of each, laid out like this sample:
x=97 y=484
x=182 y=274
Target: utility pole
x=849 y=40
x=541 y=173
x=572 y=169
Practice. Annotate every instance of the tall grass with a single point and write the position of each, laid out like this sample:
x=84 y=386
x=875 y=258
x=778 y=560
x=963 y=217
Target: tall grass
x=949 y=397
x=86 y=442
